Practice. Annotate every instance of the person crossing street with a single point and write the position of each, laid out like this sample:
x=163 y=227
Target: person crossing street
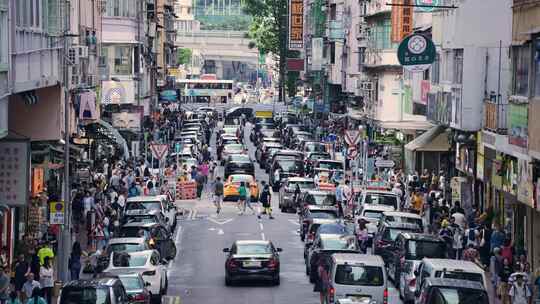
x=266 y=200
x=218 y=194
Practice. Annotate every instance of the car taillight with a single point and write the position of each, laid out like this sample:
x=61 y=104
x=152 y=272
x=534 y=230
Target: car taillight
x=232 y=264
x=311 y=236
x=381 y=243
x=385 y=296
x=139 y=297
x=273 y=263
x=331 y=294
x=412 y=283
x=149 y=273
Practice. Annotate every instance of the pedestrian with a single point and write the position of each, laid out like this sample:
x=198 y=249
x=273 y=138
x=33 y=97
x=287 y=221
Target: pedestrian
x=74 y=262
x=497 y=237
x=4 y=285
x=339 y=198
x=520 y=293
x=248 y=200
x=35 y=297
x=218 y=194
x=346 y=195
x=46 y=279
x=504 y=276
x=495 y=266
x=457 y=234
x=200 y=180
x=22 y=269
x=45 y=251
x=266 y=199
x=13 y=298
x=29 y=286
x=362 y=234
x=242 y=192
x=321 y=281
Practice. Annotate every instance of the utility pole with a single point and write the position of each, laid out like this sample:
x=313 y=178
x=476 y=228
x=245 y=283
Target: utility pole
x=64 y=249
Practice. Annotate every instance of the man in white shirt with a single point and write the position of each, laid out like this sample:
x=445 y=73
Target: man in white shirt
x=520 y=293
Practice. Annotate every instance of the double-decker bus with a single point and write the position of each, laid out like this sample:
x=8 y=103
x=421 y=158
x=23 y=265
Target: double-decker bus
x=200 y=90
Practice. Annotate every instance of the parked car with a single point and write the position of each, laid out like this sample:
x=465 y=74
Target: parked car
x=379 y=197
x=144 y=216
x=94 y=291
x=252 y=259
x=443 y=291
x=158 y=202
x=287 y=199
x=127 y=244
x=148 y=264
x=158 y=236
x=136 y=288
x=402 y=217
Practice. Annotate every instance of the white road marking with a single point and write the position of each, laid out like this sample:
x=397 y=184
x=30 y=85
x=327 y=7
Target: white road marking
x=177 y=239
x=211 y=229
x=261 y=225
x=262 y=236
x=221 y=232
x=294 y=222
x=222 y=222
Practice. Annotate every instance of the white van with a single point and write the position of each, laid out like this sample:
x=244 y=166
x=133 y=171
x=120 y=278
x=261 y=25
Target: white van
x=359 y=277
x=451 y=269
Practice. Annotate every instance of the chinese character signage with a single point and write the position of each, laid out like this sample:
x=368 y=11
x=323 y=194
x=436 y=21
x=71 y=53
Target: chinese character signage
x=402 y=20
x=518 y=131
x=296 y=25
x=416 y=53
x=14 y=172
x=427 y=5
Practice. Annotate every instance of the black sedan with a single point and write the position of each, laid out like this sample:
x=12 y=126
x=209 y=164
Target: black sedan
x=239 y=163
x=252 y=260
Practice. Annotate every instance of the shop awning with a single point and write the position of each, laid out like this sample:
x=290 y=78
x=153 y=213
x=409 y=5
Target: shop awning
x=406 y=125
x=434 y=140
x=110 y=132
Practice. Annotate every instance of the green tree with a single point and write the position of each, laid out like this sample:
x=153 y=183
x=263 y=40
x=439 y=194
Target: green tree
x=184 y=56
x=269 y=31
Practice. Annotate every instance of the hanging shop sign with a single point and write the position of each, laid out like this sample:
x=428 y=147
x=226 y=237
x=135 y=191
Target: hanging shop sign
x=168 y=96
x=465 y=159
x=524 y=183
x=427 y=5
x=518 y=124
x=425 y=87
x=402 y=20
x=296 y=24
x=316 y=53
x=479 y=157
x=56 y=212
x=416 y=53
x=38 y=181
x=118 y=92
x=14 y=172
x=127 y=121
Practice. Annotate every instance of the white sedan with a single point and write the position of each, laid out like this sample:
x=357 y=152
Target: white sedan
x=148 y=263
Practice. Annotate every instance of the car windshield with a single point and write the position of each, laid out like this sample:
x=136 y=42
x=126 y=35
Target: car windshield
x=332 y=229
x=324 y=214
x=125 y=247
x=153 y=205
x=359 y=275
x=373 y=214
x=392 y=233
x=331 y=165
x=81 y=295
x=126 y=260
x=317 y=156
x=336 y=243
x=302 y=184
x=315 y=147
x=253 y=249
x=417 y=250
x=289 y=165
x=234 y=147
x=131 y=283
x=461 y=275
x=459 y=296
x=143 y=218
x=321 y=199
x=240 y=158
x=404 y=219
x=381 y=199
x=134 y=232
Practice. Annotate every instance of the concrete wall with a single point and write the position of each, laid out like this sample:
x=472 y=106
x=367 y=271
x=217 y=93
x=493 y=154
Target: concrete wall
x=120 y=30
x=389 y=103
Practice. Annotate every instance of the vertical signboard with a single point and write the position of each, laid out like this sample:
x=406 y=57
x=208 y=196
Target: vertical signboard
x=316 y=53
x=402 y=19
x=518 y=130
x=296 y=24
x=14 y=172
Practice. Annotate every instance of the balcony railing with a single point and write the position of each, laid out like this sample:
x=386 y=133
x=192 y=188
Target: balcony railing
x=495 y=117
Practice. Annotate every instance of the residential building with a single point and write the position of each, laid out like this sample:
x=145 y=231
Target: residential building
x=5 y=27
x=185 y=16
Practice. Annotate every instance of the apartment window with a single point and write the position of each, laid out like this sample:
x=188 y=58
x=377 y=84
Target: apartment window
x=53 y=17
x=333 y=12
x=3 y=35
x=458 y=66
x=537 y=67
x=121 y=8
x=361 y=58
x=29 y=13
x=522 y=59
x=436 y=69
x=120 y=59
x=332 y=53
x=381 y=34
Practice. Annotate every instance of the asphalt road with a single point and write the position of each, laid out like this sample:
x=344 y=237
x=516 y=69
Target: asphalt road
x=197 y=273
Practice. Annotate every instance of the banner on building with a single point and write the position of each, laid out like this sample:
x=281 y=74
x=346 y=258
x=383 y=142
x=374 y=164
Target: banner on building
x=479 y=156
x=518 y=129
x=425 y=86
x=38 y=181
x=118 y=92
x=296 y=24
x=127 y=121
x=14 y=172
x=524 y=183
x=316 y=53
x=402 y=20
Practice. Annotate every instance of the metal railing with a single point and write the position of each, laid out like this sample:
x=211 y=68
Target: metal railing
x=495 y=117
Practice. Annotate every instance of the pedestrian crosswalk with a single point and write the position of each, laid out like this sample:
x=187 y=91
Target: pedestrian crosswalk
x=171 y=300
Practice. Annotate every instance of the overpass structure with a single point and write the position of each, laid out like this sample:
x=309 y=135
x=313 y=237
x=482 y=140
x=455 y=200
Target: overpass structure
x=221 y=47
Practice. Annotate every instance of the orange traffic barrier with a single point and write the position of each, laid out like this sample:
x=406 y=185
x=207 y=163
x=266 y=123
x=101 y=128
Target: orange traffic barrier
x=327 y=187
x=186 y=190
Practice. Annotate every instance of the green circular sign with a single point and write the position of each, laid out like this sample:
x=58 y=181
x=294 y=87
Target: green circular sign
x=416 y=53
x=427 y=2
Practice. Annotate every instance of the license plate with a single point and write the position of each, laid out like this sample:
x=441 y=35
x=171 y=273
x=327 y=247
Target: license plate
x=360 y=299
x=252 y=264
